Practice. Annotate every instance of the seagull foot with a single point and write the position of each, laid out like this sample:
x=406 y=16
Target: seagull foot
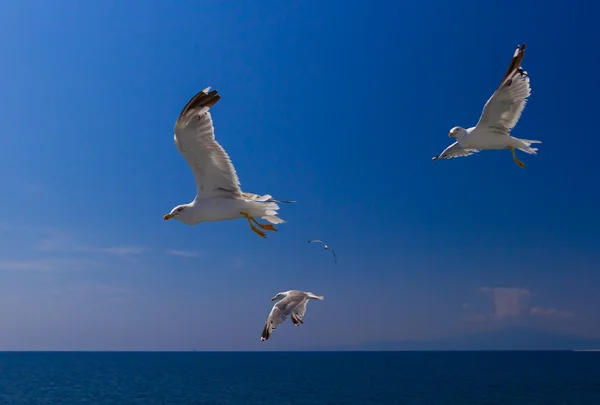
x=258 y=232
x=267 y=227
x=254 y=229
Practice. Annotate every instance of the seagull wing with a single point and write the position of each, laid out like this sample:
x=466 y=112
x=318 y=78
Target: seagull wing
x=316 y=240
x=334 y=256
x=195 y=140
x=280 y=311
x=300 y=310
x=504 y=108
x=453 y=151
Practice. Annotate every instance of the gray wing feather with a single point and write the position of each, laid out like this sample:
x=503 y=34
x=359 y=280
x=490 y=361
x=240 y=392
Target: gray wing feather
x=195 y=139
x=281 y=310
x=503 y=110
x=453 y=151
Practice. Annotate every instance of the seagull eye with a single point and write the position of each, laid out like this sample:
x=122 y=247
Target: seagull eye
x=179 y=209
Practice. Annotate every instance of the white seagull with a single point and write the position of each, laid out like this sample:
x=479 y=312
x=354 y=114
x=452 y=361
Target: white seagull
x=324 y=247
x=219 y=197
x=500 y=115
x=293 y=302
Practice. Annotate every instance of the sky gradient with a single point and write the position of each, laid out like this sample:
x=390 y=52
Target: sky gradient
x=339 y=108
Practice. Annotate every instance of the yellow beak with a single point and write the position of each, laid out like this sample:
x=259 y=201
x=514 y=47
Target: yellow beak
x=273 y=299
x=168 y=216
x=450 y=135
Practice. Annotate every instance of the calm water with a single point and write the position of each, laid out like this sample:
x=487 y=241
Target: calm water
x=482 y=378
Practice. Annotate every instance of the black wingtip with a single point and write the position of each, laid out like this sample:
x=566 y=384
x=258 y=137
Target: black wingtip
x=265 y=334
x=201 y=99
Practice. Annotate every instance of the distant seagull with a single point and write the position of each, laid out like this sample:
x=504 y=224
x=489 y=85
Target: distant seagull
x=500 y=115
x=293 y=302
x=219 y=197
x=325 y=247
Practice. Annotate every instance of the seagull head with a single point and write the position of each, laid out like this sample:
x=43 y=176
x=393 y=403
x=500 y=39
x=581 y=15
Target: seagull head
x=182 y=213
x=456 y=132
x=279 y=295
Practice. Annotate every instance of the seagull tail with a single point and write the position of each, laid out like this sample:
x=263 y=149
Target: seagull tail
x=527 y=148
x=266 y=207
x=199 y=104
x=315 y=297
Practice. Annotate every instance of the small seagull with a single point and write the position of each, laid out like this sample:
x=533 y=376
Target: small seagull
x=218 y=193
x=325 y=247
x=292 y=302
x=500 y=114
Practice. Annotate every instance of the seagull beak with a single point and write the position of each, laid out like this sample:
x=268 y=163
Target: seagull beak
x=450 y=135
x=168 y=216
x=273 y=299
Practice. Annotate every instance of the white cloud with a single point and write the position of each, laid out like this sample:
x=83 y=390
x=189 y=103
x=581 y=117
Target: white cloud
x=116 y=250
x=54 y=249
x=60 y=241
x=184 y=253
x=550 y=313
x=508 y=302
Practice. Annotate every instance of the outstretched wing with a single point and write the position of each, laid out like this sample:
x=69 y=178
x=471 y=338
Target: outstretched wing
x=504 y=108
x=334 y=256
x=280 y=312
x=300 y=310
x=195 y=140
x=455 y=150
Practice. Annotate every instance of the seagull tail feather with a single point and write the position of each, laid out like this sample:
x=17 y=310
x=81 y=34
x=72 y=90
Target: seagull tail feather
x=527 y=148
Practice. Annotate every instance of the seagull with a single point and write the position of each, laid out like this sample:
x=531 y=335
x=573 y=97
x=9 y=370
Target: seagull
x=500 y=114
x=219 y=197
x=292 y=302
x=325 y=247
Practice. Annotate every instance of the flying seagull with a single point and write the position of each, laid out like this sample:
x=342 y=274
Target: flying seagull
x=325 y=247
x=500 y=114
x=293 y=302
x=219 y=197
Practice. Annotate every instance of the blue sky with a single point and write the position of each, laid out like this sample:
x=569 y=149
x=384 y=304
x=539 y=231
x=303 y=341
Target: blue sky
x=339 y=108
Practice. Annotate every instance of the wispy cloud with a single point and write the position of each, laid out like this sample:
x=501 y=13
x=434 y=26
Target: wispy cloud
x=550 y=313
x=184 y=253
x=59 y=241
x=115 y=250
x=55 y=249
x=514 y=303
x=508 y=302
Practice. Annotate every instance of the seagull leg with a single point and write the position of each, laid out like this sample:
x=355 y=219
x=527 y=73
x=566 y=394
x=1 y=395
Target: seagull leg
x=517 y=161
x=254 y=229
x=268 y=227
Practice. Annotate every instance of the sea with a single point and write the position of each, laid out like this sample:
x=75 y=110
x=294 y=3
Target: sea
x=311 y=378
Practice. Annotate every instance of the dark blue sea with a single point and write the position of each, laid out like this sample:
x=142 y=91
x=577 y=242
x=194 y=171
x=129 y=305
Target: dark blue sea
x=456 y=378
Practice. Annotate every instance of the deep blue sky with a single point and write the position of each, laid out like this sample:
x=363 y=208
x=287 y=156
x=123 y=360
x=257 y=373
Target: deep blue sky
x=339 y=108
